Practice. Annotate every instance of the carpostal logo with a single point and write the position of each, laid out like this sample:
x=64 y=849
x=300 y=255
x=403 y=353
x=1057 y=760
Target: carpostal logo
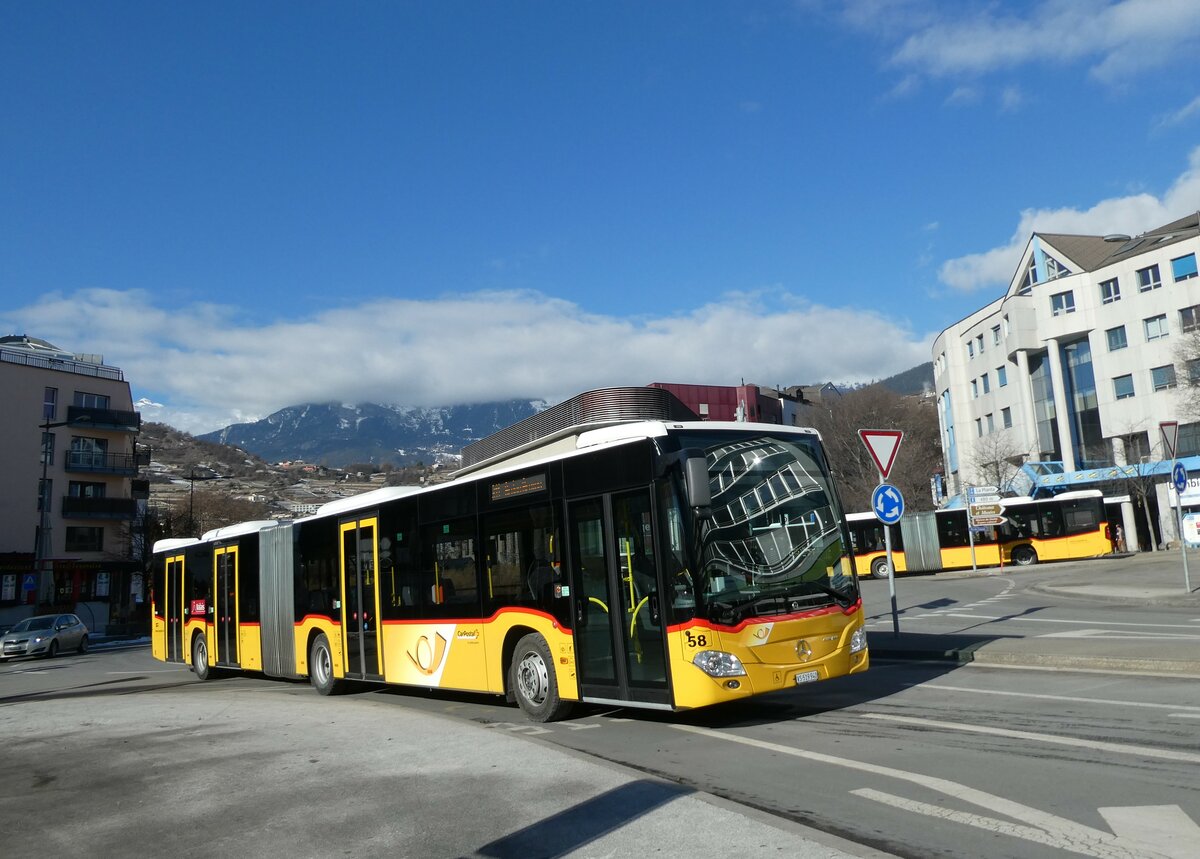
x=428 y=655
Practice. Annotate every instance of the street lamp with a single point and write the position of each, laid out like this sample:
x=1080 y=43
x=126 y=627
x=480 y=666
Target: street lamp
x=192 y=478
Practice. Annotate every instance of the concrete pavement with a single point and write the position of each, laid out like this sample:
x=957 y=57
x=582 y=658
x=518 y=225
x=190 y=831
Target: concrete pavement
x=1147 y=579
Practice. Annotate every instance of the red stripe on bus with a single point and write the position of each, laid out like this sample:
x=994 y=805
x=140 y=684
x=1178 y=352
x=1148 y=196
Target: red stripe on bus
x=758 y=621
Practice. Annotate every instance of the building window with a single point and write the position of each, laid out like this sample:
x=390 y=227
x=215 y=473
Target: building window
x=1055 y=269
x=84 y=400
x=1116 y=338
x=1123 y=387
x=1163 y=377
x=1006 y=417
x=45 y=493
x=1183 y=268
x=1193 y=371
x=1156 y=327
x=970 y=348
x=1189 y=317
x=974 y=387
x=83 y=539
x=47 y=448
x=1110 y=291
x=50 y=404
x=987 y=384
x=1148 y=279
x=991 y=423
x=703 y=410
x=1062 y=302
x=1001 y=376
x=1004 y=322
x=995 y=335
x=979 y=427
x=979 y=344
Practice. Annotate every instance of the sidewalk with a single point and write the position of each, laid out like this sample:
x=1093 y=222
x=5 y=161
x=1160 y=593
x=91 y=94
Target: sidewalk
x=1147 y=579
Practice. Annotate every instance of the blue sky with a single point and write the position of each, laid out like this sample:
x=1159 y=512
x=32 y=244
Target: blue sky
x=252 y=205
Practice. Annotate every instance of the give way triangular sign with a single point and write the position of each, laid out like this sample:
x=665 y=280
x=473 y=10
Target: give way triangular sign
x=882 y=445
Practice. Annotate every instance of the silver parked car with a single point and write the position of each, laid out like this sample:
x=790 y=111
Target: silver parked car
x=44 y=635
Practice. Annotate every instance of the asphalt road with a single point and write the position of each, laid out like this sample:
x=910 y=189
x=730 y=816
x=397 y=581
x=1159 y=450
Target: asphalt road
x=914 y=759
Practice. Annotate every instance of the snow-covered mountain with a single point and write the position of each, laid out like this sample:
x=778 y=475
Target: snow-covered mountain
x=340 y=435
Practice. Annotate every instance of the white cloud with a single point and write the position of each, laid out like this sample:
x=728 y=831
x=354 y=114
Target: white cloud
x=1119 y=38
x=1178 y=117
x=208 y=366
x=1131 y=214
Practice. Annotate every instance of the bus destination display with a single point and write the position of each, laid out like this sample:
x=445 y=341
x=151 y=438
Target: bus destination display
x=520 y=486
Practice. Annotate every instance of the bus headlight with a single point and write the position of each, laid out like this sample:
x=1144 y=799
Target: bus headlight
x=716 y=663
x=858 y=640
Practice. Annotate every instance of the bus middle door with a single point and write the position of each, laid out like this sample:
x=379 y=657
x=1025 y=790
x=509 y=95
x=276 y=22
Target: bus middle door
x=360 y=604
x=173 y=597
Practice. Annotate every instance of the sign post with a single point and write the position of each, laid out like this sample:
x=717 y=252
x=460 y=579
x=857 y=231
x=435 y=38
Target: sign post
x=886 y=501
x=1179 y=478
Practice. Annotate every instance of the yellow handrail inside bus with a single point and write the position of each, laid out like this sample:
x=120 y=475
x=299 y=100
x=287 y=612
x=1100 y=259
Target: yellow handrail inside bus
x=597 y=602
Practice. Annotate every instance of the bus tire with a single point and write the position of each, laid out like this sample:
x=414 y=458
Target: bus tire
x=200 y=664
x=320 y=667
x=533 y=682
x=1024 y=556
x=879 y=568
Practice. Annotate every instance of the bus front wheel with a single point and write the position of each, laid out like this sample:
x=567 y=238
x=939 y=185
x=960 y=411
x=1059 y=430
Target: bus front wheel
x=320 y=667
x=533 y=681
x=879 y=568
x=1024 y=556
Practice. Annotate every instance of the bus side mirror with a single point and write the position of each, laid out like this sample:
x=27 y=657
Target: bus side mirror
x=695 y=472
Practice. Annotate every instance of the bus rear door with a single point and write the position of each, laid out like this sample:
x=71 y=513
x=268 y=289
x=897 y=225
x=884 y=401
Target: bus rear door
x=360 y=607
x=225 y=586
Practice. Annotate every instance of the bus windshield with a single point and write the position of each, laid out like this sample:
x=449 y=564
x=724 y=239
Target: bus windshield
x=772 y=543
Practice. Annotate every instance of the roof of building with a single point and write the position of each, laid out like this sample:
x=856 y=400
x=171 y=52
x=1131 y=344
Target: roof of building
x=1090 y=253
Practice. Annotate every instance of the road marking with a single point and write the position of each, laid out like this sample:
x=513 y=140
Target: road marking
x=1067 y=834
x=1096 y=745
x=1165 y=828
x=531 y=730
x=1092 y=623
x=1145 y=704
x=1124 y=634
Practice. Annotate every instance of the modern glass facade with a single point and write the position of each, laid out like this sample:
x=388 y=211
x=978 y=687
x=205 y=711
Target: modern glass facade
x=1079 y=380
x=1044 y=413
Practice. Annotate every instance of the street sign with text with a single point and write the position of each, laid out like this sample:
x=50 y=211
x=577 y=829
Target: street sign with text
x=988 y=520
x=978 y=510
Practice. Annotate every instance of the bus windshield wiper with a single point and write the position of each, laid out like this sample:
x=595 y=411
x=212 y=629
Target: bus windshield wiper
x=841 y=598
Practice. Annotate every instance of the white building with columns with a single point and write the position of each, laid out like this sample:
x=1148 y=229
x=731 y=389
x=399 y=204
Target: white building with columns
x=1073 y=369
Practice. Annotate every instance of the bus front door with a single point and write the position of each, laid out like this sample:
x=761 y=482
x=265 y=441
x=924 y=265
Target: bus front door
x=225 y=562
x=620 y=646
x=172 y=598
x=360 y=608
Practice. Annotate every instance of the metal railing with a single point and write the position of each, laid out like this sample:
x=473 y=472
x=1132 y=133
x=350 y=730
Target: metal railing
x=104 y=419
x=75 y=507
x=107 y=463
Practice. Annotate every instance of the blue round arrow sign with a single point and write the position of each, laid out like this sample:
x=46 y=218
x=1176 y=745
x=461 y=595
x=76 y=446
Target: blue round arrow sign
x=887 y=504
x=1179 y=476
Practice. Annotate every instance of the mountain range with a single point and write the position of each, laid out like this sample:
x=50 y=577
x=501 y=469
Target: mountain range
x=340 y=435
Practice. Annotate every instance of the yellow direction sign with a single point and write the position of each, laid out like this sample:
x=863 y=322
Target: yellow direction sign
x=986 y=510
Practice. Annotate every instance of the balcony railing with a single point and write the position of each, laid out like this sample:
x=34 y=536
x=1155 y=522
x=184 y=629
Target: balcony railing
x=104 y=419
x=98 y=508
x=126 y=464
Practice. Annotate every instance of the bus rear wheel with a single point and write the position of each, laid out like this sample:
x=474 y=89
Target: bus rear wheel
x=532 y=679
x=200 y=664
x=879 y=568
x=320 y=667
x=1024 y=556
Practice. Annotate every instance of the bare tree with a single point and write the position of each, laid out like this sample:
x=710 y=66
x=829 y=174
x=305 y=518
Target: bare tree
x=997 y=457
x=875 y=407
x=1187 y=371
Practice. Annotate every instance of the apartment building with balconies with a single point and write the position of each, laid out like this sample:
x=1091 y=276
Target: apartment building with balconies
x=72 y=504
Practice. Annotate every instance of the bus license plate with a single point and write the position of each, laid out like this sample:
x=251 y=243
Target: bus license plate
x=807 y=677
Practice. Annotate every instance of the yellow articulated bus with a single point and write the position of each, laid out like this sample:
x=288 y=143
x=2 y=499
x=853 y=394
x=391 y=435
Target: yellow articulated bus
x=1067 y=526
x=657 y=564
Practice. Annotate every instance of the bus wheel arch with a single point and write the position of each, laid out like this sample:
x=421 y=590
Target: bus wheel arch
x=320 y=666
x=1024 y=556
x=879 y=568
x=533 y=680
